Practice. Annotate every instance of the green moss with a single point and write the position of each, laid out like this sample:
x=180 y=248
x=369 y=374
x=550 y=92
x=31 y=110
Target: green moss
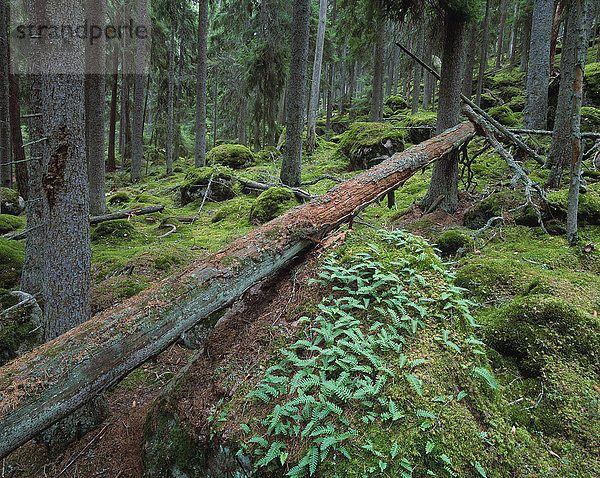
x=365 y=141
x=488 y=101
x=11 y=262
x=590 y=119
x=423 y=118
x=119 y=197
x=506 y=78
x=517 y=103
x=270 y=204
x=224 y=212
x=503 y=115
x=115 y=231
x=591 y=83
x=588 y=211
x=478 y=215
x=451 y=241
x=148 y=199
x=132 y=286
x=507 y=93
x=235 y=156
x=395 y=102
x=9 y=195
x=533 y=327
x=166 y=263
x=268 y=155
x=9 y=223
x=7 y=299
x=196 y=182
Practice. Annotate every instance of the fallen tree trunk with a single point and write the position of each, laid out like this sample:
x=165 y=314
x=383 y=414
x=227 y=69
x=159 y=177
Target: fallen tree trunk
x=52 y=381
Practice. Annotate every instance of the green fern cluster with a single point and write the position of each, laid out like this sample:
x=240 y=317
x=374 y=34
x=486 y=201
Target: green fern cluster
x=342 y=364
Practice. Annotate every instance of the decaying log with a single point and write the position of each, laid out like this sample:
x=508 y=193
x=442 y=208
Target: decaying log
x=52 y=381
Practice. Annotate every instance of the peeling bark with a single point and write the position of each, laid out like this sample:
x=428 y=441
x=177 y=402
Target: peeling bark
x=52 y=381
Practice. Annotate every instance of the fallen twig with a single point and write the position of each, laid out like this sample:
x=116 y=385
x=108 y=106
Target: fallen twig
x=203 y=199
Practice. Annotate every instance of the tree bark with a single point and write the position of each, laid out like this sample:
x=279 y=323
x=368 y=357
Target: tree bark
x=444 y=175
x=538 y=71
x=292 y=152
x=513 y=36
x=376 y=113
x=416 y=93
x=94 y=109
x=200 y=155
x=63 y=374
x=5 y=150
x=554 y=35
x=16 y=137
x=483 y=53
x=467 y=87
x=111 y=163
x=171 y=99
x=137 y=145
x=500 y=47
x=313 y=104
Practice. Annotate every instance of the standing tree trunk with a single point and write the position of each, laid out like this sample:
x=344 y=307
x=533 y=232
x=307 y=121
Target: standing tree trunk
x=352 y=89
x=538 y=71
x=200 y=155
x=444 y=176
x=316 y=78
x=171 y=99
x=554 y=35
x=483 y=53
x=111 y=163
x=500 y=49
x=376 y=113
x=561 y=147
x=5 y=153
x=66 y=227
x=513 y=36
x=429 y=79
x=137 y=146
x=16 y=138
x=292 y=152
x=178 y=98
x=467 y=88
x=577 y=22
x=416 y=95
x=94 y=108
x=525 y=40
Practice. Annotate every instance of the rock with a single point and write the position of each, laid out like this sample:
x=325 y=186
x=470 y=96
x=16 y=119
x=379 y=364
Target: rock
x=11 y=262
x=477 y=216
x=115 y=231
x=270 y=204
x=11 y=202
x=9 y=223
x=451 y=242
x=196 y=183
x=503 y=115
x=21 y=327
x=235 y=156
x=364 y=142
x=421 y=126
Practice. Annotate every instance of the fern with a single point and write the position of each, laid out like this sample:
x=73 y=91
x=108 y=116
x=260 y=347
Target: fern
x=486 y=375
x=415 y=382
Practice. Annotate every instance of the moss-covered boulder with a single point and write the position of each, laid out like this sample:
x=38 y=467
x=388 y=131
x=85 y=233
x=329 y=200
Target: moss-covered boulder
x=477 y=216
x=11 y=202
x=420 y=126
x=395 y=102
x=366 y=143
x=196 y=183
x=118 y=198
x=503 y=115
x=20 y=328
x=590 y=119
x=450 y=242
x=588 y=211
x=9 y=223
x=517 y=103
x=270 y=204
x=11 y=262
x=269 y=154
x=507 y=93
x=114 y=232
x=235 y=156
x=533 y=328
x=591 y=85
x=506 y=78
x=488 y=101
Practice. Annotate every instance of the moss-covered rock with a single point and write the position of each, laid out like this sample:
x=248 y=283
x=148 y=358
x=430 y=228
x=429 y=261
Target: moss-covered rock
x=506 y=78
x=235 y=156
x=11 y=262
x=503 y=115
x=11 y=202
x=363 y=143
x=20 y=328
x=591 y=84
x=507 y=93
x=120 y=197
x=590 y=119
x=488 y=101
x=395 y=102
x=477 y=216
x=114 y=232
x=588 y=211
x=451 y=241
x=532 y=328
x=420 y=126
x=270 y=204
x=268 y=155
x=517 y=103
x=9 y=223
x=528 y=218
x=196 y=183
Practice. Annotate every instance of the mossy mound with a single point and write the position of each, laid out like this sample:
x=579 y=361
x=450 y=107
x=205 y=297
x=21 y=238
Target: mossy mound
x=395 y=102
x=268 y=155
x=588 y=211
x=477 y=216
x=506 y=78
x=114 y=232
x=533 y=328
x=364 y=142
x=590 y=119
x=120 y=197
x=9 y=223
x=20 y=329
x=503 y=115
x=488 y=101
x=591 y=84
x=421 y=126
x=11 y=202
x=224 y=212
x=450 y=242
x=235 y=156
x=517 y=103
x=270 y=204
x=196 y=183
x=11 y=262
x=507 y=93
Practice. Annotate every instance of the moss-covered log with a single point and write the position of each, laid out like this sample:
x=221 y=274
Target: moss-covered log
x=52 y=381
